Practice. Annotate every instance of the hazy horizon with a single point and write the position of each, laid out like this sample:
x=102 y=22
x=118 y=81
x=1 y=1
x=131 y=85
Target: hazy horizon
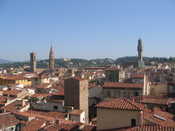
x=28 y=60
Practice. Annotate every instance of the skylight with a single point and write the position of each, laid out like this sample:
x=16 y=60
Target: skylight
x=159 y=117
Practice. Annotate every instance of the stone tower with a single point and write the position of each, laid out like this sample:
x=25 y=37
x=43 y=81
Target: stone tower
x=76 y=95
x=114 y=74
x=51 y=59
x=140 y=53
x=33 y=62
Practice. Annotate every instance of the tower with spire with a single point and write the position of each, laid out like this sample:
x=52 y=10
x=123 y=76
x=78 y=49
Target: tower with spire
x=51 y=59
x=140 y=53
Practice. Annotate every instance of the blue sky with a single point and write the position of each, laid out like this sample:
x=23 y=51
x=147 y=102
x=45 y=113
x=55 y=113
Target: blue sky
x=86 y=28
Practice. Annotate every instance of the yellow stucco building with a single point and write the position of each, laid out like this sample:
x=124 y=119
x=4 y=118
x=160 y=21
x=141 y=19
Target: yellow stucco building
x=6 y=80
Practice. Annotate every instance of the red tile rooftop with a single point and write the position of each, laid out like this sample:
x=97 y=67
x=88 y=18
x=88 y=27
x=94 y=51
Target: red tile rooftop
x=156 y=116
x=149 y=128
x=121 y=85
x=11 y=92
x=33 y=125
x=3 y=99
x=120 y=104
x=76 y=112
x=42 y=86
x=13 y=77
x=7 y=120
x=159 y=117
x=137 y=76
x=62 y=125
x=67 y=125
x=49 y=116
x=15 y=106
x=157 y=100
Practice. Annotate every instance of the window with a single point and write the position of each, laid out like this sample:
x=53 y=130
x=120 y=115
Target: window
x=125 y=94
x=108 y=93
x=133 y=122
x=55 y=107
x=119 y=93
x=136 y=94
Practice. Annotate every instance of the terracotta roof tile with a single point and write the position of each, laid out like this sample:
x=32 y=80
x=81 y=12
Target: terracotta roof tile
x=45 y=85
x=159 y=117
x=150 y=128
x=158 y=100
x=33 y=125
x=12 y=77
x=122 y=85
x=61 y=125
x=11 y=92
x=7 y=120
x=3 y=99
x=42 y=115
x=15 y=106
x=76 y=112
x=120 y=104
x=137 y=76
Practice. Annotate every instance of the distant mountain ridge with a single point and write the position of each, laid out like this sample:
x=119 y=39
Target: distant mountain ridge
x=77 y=62
x=3 y=61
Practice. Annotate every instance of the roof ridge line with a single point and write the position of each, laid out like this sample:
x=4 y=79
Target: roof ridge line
x=132 y=103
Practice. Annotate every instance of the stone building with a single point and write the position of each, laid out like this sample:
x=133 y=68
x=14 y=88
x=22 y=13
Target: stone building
x=6 y=80
x=33 y=62
x=117 y=90
x=124 y=113
x=114 y=75
x=117 y=113
x=51 y=59
x=140 y=53
x=8 y=122
x=76 y=95
x=77 y=115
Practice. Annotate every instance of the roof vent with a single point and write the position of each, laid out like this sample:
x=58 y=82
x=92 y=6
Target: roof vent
x=159 y=117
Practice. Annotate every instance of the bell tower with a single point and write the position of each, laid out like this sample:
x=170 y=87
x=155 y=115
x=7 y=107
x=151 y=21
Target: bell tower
x=51 y=59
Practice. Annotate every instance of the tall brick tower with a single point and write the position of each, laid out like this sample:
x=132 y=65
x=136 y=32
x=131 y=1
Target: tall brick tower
x=33 y=62
x=76 y=95
x=51 y=59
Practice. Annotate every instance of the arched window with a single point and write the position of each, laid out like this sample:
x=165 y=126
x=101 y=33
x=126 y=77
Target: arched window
x=133 y=122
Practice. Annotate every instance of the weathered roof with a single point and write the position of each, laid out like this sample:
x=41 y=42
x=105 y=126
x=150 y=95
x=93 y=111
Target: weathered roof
x=120 y=104
x=150 y=128
x=122 y=85
x=7 y=120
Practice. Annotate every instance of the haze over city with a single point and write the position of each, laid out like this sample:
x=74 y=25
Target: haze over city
x=86 y=29
x=87 y=65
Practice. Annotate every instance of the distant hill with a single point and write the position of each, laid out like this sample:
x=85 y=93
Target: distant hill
x=147 y=60
x=2 y=61
x=76 y=62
